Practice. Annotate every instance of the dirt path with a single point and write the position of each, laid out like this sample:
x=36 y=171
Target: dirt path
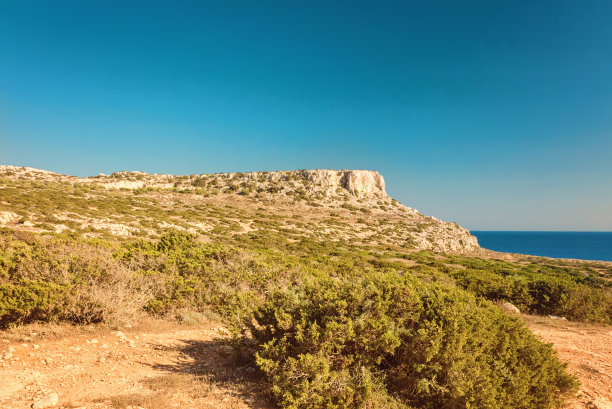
x=588 y=351
x=169 y=366
x=178 y=367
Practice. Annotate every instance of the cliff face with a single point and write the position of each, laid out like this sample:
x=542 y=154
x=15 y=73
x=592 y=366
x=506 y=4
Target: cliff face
x=361 y=183
x=365 y=183
x=338 y=205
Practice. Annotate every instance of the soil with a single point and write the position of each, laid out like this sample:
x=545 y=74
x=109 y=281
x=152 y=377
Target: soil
x=587 y=349
x=161 y=365
x=167 y=366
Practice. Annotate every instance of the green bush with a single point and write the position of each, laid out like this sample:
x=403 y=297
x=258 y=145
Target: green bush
x=29 y=300
x=539 y=292
x=340 y=343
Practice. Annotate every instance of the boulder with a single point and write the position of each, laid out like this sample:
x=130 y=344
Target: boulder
x=511 y=308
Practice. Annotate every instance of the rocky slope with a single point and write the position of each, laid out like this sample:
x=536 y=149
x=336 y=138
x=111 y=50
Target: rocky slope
x=322 y=204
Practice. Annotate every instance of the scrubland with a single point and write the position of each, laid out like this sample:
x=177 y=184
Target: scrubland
x=333 y=303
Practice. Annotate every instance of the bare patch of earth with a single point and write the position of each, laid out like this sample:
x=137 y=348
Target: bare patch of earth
x=165 y=365
x=152 y=368
x=587 y=349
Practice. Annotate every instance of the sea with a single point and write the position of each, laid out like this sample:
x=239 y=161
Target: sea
x=557 y=244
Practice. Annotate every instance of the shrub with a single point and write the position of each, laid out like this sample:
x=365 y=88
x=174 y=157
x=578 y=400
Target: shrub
x=199 y=182
x=340 y=343
x=28 y=300
x=51 y=279
x=550 y=291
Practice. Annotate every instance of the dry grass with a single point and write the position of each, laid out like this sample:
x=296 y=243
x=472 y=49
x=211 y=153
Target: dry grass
x=48 y=331
x=116 y=301
x=155 y=400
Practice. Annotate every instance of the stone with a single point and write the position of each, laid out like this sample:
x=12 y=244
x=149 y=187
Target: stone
x=47 y=402
x=363 y=182
x=8 y=217
x=511 y=308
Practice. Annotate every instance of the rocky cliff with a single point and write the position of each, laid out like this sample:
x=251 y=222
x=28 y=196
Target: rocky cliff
x=323 y=203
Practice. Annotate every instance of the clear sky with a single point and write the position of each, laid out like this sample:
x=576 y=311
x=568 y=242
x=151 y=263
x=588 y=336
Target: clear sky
x=494 y=114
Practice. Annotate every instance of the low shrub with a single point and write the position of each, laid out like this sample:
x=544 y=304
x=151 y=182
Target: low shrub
x=349 y=343
x=57 y=278
x=29 y=300
x=539 y=292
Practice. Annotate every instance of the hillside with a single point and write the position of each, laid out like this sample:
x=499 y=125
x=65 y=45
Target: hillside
x=290 y=289
x=325 y=204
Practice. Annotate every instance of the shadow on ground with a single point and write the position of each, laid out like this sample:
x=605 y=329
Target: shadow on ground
x=206 y=374
x=212 y=370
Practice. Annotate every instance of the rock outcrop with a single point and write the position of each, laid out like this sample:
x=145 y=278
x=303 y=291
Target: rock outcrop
x=357 y=182
x=363 y=182
x=8 y=217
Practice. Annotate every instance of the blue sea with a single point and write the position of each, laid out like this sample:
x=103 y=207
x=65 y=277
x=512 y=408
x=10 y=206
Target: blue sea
x=580 y=245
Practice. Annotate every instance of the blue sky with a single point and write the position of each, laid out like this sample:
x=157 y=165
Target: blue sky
x=494 y=114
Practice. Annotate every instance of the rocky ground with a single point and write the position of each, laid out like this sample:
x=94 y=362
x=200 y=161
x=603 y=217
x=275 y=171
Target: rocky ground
x=157 y=367
x=161 y=365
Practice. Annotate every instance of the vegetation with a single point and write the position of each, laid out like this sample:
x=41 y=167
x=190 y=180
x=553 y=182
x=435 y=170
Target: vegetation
x=344 y=331
x=389 y=341
x=333 y=307
x=538 y=287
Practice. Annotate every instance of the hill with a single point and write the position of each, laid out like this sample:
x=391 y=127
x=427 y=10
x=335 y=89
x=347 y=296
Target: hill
x=331 y=292
x=326 y=204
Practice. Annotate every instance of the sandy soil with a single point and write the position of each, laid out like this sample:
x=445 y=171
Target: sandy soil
x=169 y=366
x=588 y=351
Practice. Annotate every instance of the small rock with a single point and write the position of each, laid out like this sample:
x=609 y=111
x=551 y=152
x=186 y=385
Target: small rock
x=35 y=346
x=47 y=402
x=511 y=308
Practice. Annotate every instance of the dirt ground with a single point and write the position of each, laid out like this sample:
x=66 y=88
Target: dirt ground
x=587 y=349
x=161 y=366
